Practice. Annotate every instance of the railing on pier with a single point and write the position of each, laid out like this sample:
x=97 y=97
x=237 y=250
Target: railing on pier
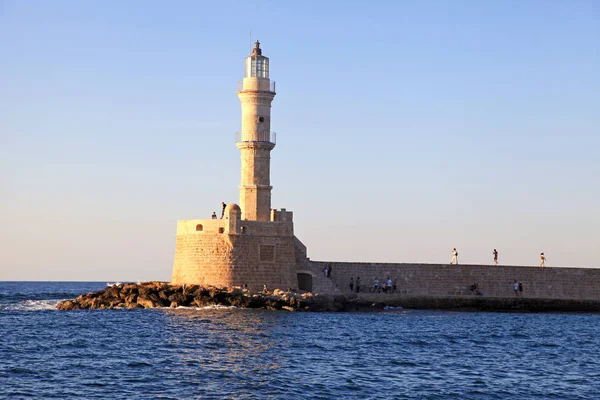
x=240 y=86
x=269 y=137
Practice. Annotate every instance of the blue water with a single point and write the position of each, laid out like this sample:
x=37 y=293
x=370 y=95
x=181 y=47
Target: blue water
x=257 y=354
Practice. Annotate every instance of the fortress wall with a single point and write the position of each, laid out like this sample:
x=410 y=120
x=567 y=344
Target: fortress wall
x=264 y=260
x=232 y=252
x=202 y=258
x=263 y=254
x=189 y=226
x=444 y=280
x=262 y=228
x=319 y=283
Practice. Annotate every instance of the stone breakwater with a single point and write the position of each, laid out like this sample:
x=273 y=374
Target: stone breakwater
x=162 y=295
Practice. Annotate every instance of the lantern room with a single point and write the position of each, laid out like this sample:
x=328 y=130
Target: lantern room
x=257 y=65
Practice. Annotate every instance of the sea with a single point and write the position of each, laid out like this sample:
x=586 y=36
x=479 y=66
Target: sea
x=230 y=353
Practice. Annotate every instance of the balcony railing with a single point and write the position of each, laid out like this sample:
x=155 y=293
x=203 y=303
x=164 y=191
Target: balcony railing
x=269 y=137
x=240 y=86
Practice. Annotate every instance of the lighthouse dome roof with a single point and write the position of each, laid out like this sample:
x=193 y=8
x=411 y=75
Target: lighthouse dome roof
x=232 y=207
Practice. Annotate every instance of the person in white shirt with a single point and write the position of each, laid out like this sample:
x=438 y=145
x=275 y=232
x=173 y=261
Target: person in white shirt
x=376 y=285
x=454 y=257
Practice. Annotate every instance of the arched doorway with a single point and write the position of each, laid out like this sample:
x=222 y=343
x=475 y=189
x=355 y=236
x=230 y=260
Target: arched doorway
x=305 y=282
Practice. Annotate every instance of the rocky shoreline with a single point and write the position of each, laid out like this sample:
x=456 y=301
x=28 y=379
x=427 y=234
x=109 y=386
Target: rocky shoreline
x=164 y=295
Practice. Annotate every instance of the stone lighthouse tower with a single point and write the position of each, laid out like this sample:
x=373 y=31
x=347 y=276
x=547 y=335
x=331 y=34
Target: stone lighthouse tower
x=252 y=245
x=255 y=140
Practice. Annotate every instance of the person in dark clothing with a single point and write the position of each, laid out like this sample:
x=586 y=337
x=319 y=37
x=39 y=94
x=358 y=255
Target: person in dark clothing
x=351 y=284
x=329 y=272
x=223 y=210
x=357 y=284
x=495 y=257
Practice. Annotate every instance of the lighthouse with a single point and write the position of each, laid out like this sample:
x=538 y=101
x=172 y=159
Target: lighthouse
x=255 y=140
x=253 y=245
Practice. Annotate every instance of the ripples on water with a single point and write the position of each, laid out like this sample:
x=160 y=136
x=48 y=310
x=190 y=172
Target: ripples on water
x=257 y=354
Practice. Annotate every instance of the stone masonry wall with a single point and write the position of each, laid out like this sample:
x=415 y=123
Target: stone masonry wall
x=234 y=252
x=248 y=268
x=202 y=259
x=320 y=284
x=444 y=280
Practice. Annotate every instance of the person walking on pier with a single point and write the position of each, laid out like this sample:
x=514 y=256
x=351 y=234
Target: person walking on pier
x=223 y=210
x=495 y=257
x=454 y=257
x=375 y=286
x=357 y=283
x=516 y=288
x=351 y=284
x=542 y=260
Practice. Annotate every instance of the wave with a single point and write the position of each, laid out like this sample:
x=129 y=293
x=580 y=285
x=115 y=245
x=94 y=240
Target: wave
x=217 y=307
x=211 y=307
x=392 y=308
x=31 y=305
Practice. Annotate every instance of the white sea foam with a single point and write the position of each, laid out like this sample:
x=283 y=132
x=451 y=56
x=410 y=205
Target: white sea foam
x=217 y=307
x=211 y=307
x=31 y=305
x=391 y=308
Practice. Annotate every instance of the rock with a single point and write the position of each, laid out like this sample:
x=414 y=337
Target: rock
x=145 y=302
x=191 y=289
x=159 y=294
x=203 y=292
x=132 y=298
x=181 y=299
x=115 y=303
x=66 y=305
x=129 y=288
x=163 y=294
x=99 y=303
x=201 y=302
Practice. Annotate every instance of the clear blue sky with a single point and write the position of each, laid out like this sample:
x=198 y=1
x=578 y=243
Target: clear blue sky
x=404 y=128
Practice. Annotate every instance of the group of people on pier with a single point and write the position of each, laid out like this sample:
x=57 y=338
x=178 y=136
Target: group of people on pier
x=387 y=286
x=454 y=260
